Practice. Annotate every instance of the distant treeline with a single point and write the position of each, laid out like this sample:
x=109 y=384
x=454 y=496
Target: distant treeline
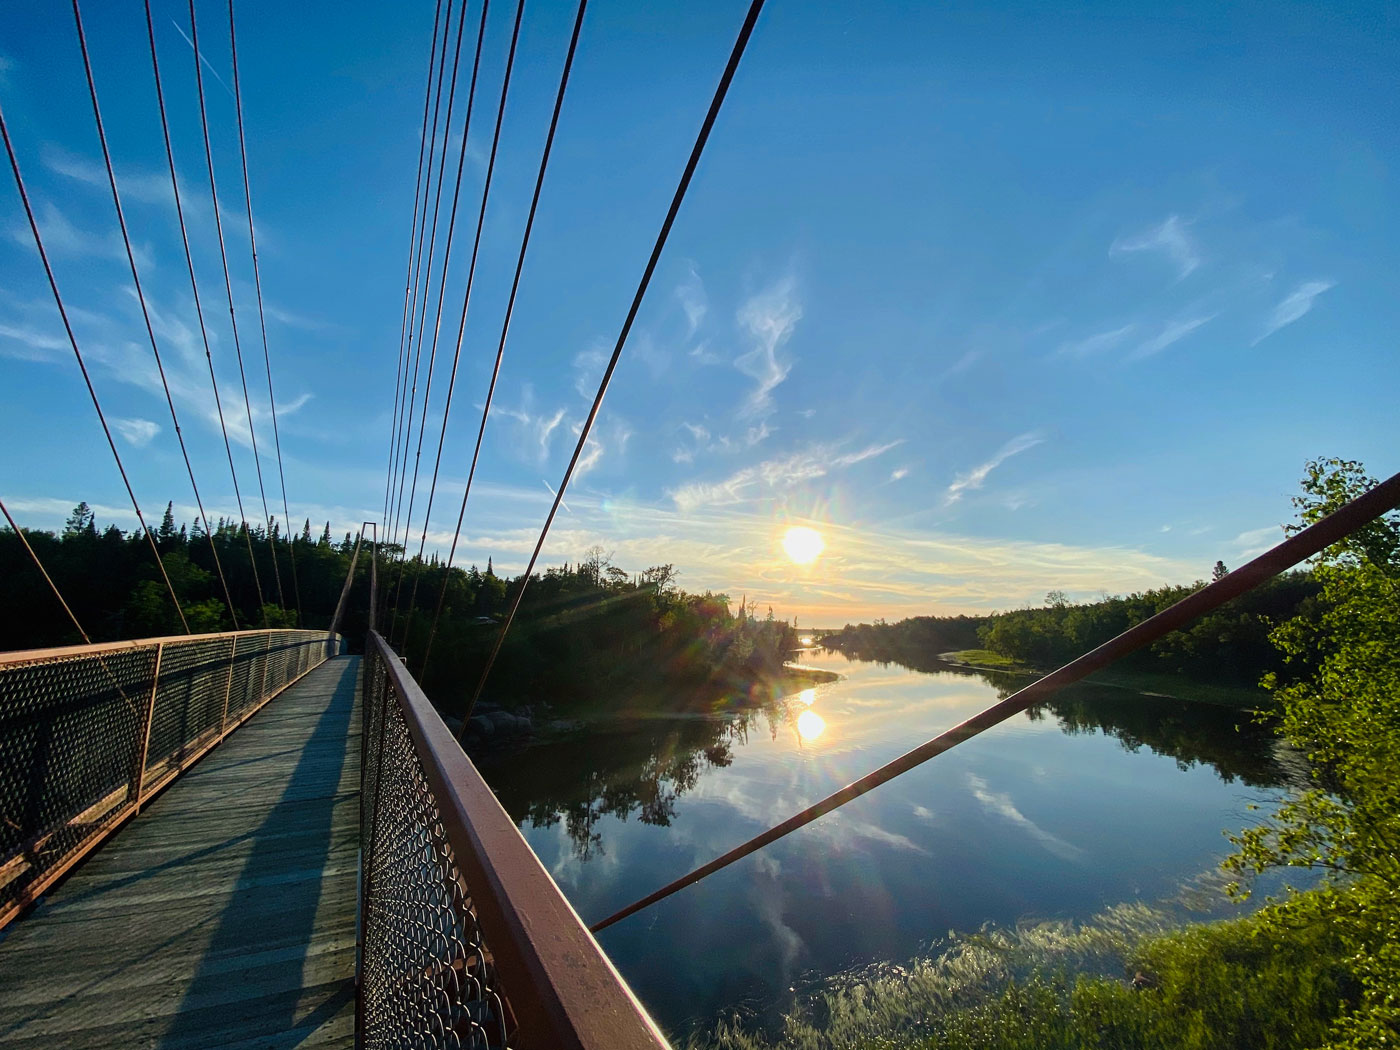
x=584 y=632
x=1230 y=644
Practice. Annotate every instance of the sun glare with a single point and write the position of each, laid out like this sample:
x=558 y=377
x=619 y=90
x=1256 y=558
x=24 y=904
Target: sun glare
x=810 y=725
x=802 y=544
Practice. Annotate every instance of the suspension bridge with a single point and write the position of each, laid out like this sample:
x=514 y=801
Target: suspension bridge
x=269 y=836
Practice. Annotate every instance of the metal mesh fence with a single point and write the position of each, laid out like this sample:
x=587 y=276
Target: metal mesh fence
x=428 y=979
x=85 y=731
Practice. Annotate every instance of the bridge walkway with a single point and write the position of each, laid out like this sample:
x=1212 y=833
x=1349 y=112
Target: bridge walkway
x=224 y=914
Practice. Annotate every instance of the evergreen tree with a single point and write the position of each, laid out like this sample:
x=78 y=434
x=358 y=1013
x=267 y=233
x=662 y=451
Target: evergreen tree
x=1219 y=572
x=167 y=532
x=81 y=522
x=325 y=541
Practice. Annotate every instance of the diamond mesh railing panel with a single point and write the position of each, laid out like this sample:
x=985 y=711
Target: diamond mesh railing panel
x=252 y=660
x=85 y=730
x=71 y=731
x=189 y=699
x=427 y=976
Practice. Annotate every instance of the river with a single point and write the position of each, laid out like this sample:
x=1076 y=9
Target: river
x=1106 y=796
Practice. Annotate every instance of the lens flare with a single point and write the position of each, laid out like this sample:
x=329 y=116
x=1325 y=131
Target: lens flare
x=810 y=725
x=803 y=545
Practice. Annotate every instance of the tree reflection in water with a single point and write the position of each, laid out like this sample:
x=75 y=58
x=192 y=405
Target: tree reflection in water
x=643 y=763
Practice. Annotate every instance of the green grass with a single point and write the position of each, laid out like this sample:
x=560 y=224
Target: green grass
x=1245 y=982
x=1244 y=697
x=987 y=658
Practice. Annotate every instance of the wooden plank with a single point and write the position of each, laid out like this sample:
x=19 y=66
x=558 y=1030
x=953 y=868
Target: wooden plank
x=224 y=914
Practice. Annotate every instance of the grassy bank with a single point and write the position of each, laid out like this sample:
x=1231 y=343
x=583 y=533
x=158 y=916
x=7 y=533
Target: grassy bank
x=1182 y=687
x=1125 y=980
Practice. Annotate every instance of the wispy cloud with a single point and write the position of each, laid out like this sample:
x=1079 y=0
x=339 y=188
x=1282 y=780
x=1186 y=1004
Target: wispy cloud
x=691 y=293
x=769 y=318
x=1254 y=542
x=62 y=237
x=1098 y=343
x=1170 y=334
x=30 y=344
x=1170 y=238
x=1295 y=305
x=977 y=476
x=588 y=370
x=899 y=473
x=773 y=475
x=136 y=432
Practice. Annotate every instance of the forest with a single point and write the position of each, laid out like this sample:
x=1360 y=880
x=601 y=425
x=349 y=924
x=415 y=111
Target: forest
x=1230 y=645
x=582 y=630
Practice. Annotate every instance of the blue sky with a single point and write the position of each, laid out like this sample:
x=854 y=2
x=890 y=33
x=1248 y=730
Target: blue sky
x=999 y=299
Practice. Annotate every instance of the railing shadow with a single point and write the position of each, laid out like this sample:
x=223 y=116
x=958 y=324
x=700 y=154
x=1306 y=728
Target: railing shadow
x=273 y=908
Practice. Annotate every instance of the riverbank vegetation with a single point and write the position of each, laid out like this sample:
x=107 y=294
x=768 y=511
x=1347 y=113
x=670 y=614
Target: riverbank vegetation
x=1229 y=648
x=1313 y=967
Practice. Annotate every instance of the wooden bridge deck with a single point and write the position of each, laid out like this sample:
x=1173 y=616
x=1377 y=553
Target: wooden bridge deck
x=223 y=915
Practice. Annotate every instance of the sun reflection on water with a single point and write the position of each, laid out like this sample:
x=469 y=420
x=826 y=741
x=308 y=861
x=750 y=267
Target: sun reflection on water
x=807 y=696
x=810 y=725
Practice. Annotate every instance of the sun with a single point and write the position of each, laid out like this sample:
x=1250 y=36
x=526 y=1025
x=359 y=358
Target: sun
x=803 y=545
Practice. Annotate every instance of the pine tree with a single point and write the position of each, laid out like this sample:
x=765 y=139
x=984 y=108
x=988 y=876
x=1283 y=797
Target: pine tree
x=81 y=522
x=1219 y=572
x=306 y=532
x=167 y=533
x=325 y=540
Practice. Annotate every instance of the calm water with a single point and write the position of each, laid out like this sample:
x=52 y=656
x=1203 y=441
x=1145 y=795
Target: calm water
x=1110 y=795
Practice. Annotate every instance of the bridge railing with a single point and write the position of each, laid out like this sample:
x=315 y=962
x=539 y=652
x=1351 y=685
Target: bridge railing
x=465 y=939
x=89 y=732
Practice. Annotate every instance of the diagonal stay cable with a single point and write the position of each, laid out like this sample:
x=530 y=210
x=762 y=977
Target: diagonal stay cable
x=1298 y=547
x=34 y=557
x=44 y=572
x=466 y=300
x=447 y=250
x=199 y=308
x=145 y=312
x=262 y=319
x=427 y=276
x=415 y=355
x=745 y=32
x=412 y=239
x=82 y=366
x=428 y=144
x=500 y=345
x=232 y=314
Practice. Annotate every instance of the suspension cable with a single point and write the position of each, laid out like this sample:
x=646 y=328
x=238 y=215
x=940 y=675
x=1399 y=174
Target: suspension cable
x=262 y=319
x=232 y=314
x=1298 y=547
x=412 y=238
x=723 y=89
x=442 y=287
x=82 y=366
x=500 y=346
x=410 y=353
x=199 y=309
x=101 y=660
x=145 y=312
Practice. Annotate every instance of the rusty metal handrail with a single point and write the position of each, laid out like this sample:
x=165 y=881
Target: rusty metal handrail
x=533 y=950
x=89 y=733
